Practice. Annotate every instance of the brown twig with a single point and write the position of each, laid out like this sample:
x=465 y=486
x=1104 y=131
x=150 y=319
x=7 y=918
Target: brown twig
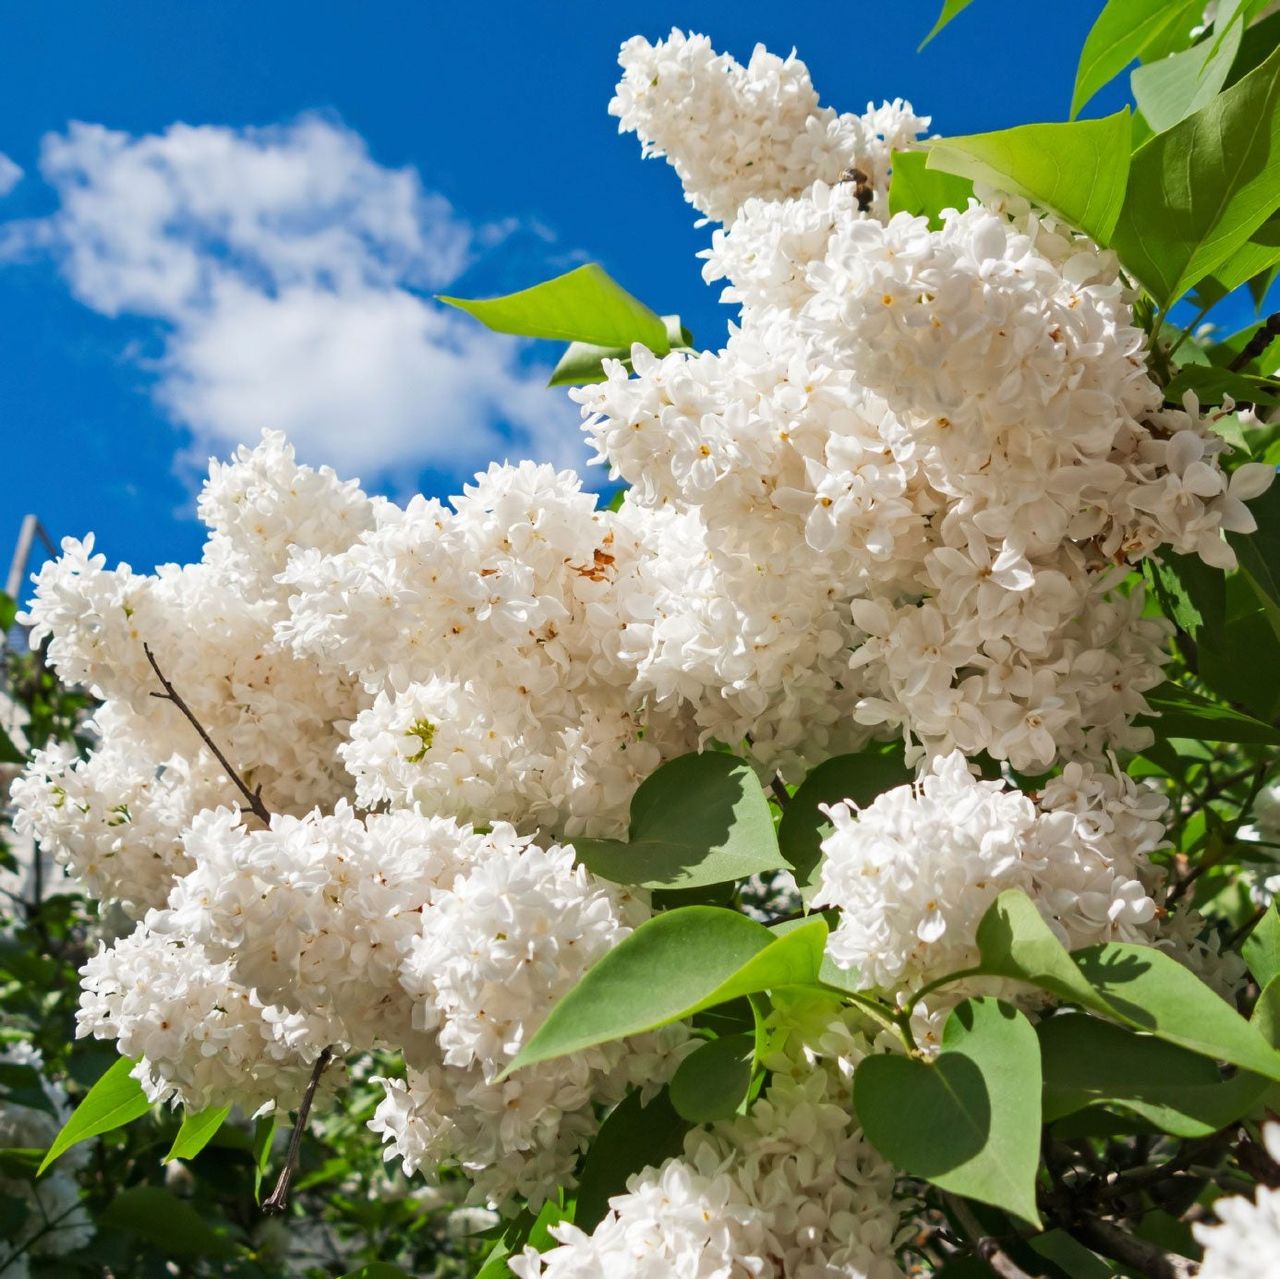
x=984 y=1246
x=252 y=798
x=1267 y=333
x=1146 y=1258
x=278 y=1200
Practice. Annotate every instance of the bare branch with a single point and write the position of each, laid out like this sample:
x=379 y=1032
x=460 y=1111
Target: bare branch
x=1267 y=333
x=278 y=1200
x=252 y=797
x=984 y=1246
x=1146 y=1258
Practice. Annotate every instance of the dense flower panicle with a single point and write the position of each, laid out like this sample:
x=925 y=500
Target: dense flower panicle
x=914 y=871
x=791 y=1189
x=903 y=501
x=732 y=132
x=199 y=1036
x=115 y=820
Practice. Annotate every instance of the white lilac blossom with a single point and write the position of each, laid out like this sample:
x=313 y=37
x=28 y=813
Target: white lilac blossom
x=903 y=501
x=914 y=871
x=791 y=1190
x=1248 y=1230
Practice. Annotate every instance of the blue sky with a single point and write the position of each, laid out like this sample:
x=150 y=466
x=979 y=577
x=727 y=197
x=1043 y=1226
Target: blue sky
x=115 y=384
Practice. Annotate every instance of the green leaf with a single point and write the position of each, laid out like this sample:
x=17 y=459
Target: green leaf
x=1075 y=170
x=583 y=305
x=1070 y=1256
x=161 y=1219
x=196 y=1132
x=9 y=752
x=264 y=1131
x=1211 y=384
x=671 y=967
x=1172 y=88
x=115 y=1100
x=699 y=819
x=1124 y=31
x=921 y=191
x=1088 y=1062
x=632 y=1138
x=582 y=362
x=969 y=1121
x=1197 y=193
x=713 y=1081
x=1261 y=949
x=859 y=777
x=1155 y=993
x=1178 y=712
x=378 y=1270
x=8 y=612
x=950 y=8
x=1259 y=552
x=1015 y=942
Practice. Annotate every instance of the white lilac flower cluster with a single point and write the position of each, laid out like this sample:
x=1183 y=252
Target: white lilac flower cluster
x=901 y=502
x=791 y=1189
x=1248 y=1230
x=53 y=1221
x=915 y=870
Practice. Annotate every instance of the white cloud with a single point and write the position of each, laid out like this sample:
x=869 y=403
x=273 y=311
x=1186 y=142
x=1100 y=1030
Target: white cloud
x=284 y=267
x=10 y=175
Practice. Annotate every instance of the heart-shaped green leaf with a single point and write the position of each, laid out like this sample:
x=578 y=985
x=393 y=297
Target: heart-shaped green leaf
x=197 y=1132
x=1153 y=992
x=1014 y=941
x=583 y=305
x=713 y=1081
x=1088 y=1062
x=115 y=1100
x=697 y=820
x=1075 y=170
x=671 y=967
x=969 y=1121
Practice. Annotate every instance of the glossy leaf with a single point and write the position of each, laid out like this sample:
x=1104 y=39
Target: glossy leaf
x=1153 y=992
x=115 y=1100
x=969 y=1121
x=1122 y=33
x=714 y=1080
x=1015 y=942
x=1259 y=551
x=632 y=1138
x=196 y=1132
x=916 y=189
x=583 y=362
x=950 y=9
x=859 y=777
x=1172 y=88
x=672 y=966
x=583 y=305
x=1088 y=1062
x=1179 y=712
x=1075 y=170
x=158 y=1217
x=699 y=819
x=1212 y=385
x=1214 y=179
x=1261 y=949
